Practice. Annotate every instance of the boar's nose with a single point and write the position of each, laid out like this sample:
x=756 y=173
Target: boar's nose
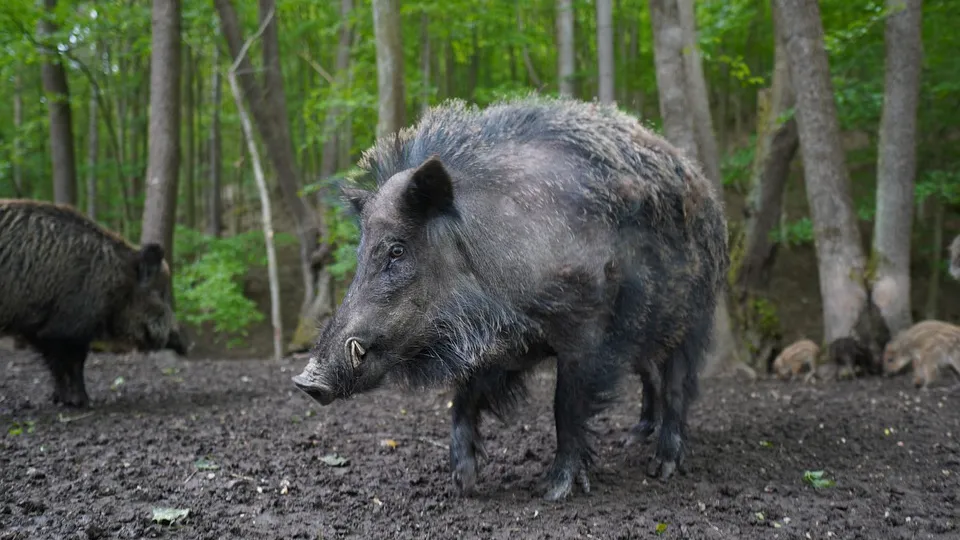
x=322 y=394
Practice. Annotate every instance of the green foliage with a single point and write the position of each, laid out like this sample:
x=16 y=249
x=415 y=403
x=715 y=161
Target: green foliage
x=795 y=233
x=737 y=167
x=208 y=281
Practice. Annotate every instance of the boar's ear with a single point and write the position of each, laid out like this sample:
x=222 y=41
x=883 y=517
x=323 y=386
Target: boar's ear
x=149 y=263
x=430 y=191
x=356 y=197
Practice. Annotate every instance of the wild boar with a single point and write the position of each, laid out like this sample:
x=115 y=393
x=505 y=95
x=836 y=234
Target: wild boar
x=66 y=281
x=799 y=357
x=928 y=346
x=535 y=228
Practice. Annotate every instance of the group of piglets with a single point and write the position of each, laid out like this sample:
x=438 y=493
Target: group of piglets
x=930 y=347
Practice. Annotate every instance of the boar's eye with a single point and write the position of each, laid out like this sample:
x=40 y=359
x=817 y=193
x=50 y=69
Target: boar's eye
x=396 y=251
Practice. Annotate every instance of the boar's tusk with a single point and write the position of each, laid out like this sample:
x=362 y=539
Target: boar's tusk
x=354 y=351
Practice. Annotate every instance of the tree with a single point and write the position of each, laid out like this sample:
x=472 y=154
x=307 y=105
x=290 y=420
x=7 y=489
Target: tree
x=269 y=110
x=697 y=96
x=897 y=163
x=675 y=110
x=266 y=217
x=163 y=160
x=58 y=107
x=328 y=164
x=93 y=149
x=605 y=51
x=777 y=144
x=17 y=139
x=566 y=60
x=214 y=205
x=840 y=257
x=390 y=92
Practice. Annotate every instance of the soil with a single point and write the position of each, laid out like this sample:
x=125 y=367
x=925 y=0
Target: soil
x=892 y=451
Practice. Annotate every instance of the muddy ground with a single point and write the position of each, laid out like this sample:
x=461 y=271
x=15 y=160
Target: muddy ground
x=237 y=445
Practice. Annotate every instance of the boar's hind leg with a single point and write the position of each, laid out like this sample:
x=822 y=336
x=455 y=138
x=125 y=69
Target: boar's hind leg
x=584 y=385
x=66 y=359
x=493 y=389
x=642 y=431
x=679 y=388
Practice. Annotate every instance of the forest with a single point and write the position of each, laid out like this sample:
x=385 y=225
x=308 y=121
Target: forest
x=222 y=131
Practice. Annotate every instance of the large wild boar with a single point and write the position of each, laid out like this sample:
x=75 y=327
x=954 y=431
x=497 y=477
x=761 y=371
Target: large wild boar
x=532 y=229
x=65 y=282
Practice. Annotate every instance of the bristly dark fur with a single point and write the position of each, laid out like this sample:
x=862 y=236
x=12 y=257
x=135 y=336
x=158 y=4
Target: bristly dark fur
x=68 y=281
x=538 y=228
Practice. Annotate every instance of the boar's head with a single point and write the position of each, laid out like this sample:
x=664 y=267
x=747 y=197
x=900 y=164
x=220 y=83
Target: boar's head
x=146 y=318
x=414 y=312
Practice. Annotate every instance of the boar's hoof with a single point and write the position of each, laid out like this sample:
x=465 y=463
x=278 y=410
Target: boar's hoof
x=73 y=398
x=560 y=480
x=641 y=433
x=465 y=475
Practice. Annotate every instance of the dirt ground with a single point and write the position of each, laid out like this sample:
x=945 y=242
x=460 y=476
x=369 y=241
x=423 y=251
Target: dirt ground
x=237 y=445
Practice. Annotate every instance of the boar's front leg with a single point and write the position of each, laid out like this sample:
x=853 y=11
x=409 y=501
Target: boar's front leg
x=494 y=389
x=66 y=359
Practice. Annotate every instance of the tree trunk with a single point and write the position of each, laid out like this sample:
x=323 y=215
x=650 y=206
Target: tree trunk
x=268 y=107
x=605 y=83
x=93 y=149
x=390 y=91
x=188 y=111
x=61 y=122
x=266 y=217
x=424 y=62
x=215 y=205
x=525 y=53
x=896 y=169
x=17 y=141
x=936 y=255
x=777 y=144
x=566 y=59
x=329 y=164
x=163 y=162
x=840 y=255
x=675 y=108
x=697 y=95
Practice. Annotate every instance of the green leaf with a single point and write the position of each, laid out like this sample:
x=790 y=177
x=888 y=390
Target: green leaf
x=816 y=479
x=335 y=460
x=206 y=464
x=169 y=515
x=661 y=528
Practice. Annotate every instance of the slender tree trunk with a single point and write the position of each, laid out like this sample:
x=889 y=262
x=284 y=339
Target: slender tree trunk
x=329 y=164
x=17 y=140
x=525 y=52
x=424 y=62
x=566 y=59
x=897 y=164
x=777 y=144
x=266 y=217
x=61 y=122
x=188 y=112
x=936 y=255
x=839 y=250
x=390 y=91
x=698 y=96
x=268 y=107
x=163 y=162
x=606 y=83
x=93 y=150
x=675 y=109
x=215 y=208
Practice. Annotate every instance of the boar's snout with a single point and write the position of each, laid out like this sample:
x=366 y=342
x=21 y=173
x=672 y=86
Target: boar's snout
x=319 y=392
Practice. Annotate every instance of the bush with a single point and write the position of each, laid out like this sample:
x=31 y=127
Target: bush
x=208 y=280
